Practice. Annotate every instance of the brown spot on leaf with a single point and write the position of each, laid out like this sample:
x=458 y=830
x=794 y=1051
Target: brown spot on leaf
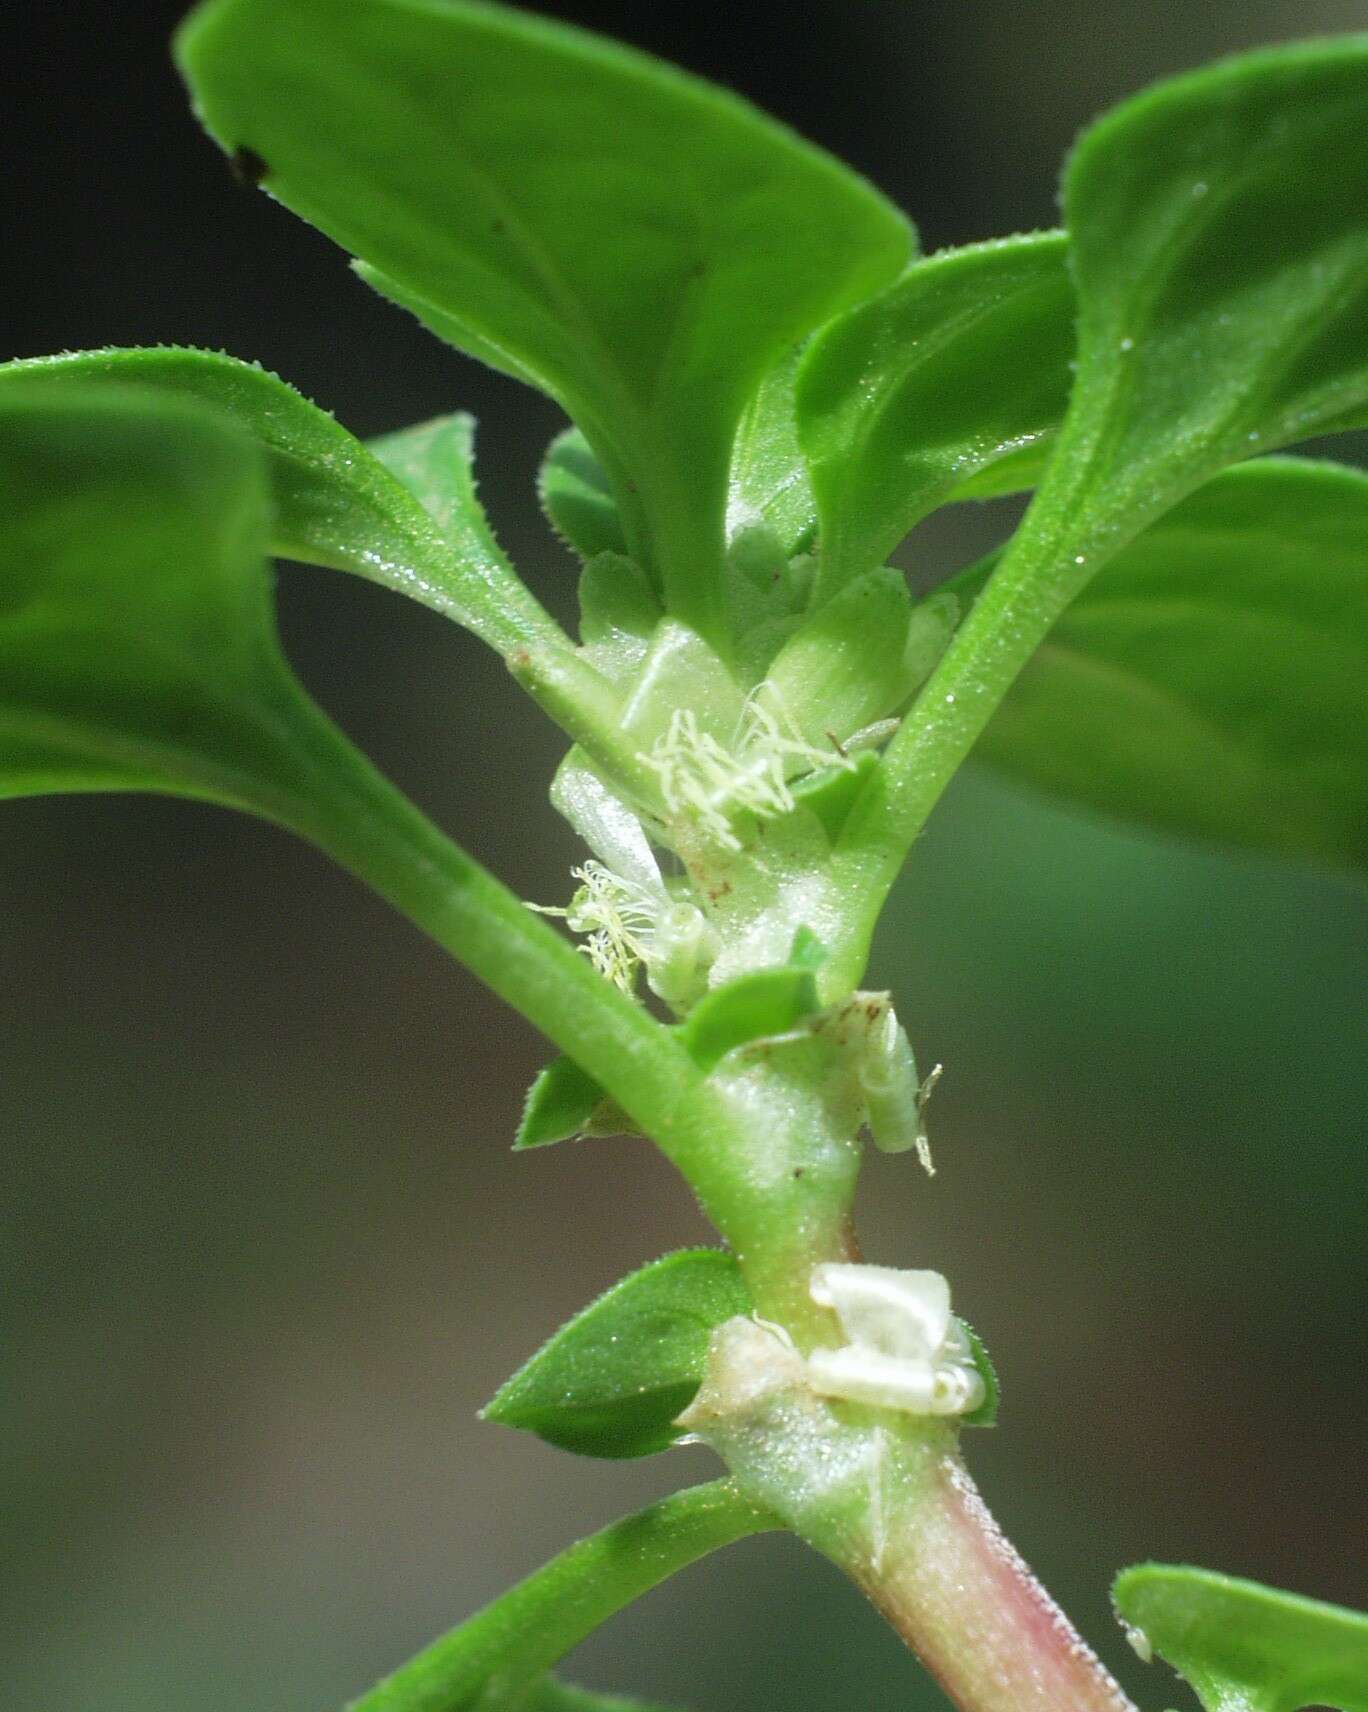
x=247 y=166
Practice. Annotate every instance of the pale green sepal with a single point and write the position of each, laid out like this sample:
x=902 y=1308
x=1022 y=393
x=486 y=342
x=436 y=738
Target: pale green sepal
x=1242 y=1646
x=844 y=668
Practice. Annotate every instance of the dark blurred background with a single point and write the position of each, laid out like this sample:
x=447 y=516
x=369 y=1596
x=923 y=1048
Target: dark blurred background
x=264 y=1248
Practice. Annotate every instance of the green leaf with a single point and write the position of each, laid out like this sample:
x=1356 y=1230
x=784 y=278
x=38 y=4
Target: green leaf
x=564 y=1102
x=1243 y=1647
x=137 y=647
x=769 y=483
x=334 y=502
x=644 y=246
x=752 y=1007
x=1213 y=680
x=611 y=1381
x=577 y=497
x=987 y=1412
x=1222 y=279
x=960 y=366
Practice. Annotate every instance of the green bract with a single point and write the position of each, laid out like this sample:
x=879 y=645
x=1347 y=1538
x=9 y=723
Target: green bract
x=1243 y=1647
x=642 y=246
x=612 y=1380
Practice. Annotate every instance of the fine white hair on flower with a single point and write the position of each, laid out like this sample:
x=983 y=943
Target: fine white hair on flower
x=617 y=915
x=708 y=783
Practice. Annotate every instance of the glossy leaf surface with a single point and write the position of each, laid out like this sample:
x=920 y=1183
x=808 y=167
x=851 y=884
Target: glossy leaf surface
x=1222 y=281
x=1244 y=1647
x=963 y=364
x=333 y=501
x=645 y=246
x=769 y=476
x=611 y=1382
x=1213 y=679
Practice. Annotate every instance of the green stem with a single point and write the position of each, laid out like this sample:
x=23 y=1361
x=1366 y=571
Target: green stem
x=350 y=810
x=1047 y=563
x=525 y=1631
x=887 y=1499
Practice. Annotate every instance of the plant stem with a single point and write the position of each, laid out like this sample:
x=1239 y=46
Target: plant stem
x=959 y=1594
x=526 y=1630
x=887 y=1499
x=349 y=809
x=1048 y=561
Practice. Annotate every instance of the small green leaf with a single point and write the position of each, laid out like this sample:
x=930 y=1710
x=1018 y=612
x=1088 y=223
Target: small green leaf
x=611 y=1382
x=644 y=246
x=843 y=668
x=905 y=400
x=561 y=1103
x=1243 y=1647
x=769 y=476
x=1213 y=679
x=752 y=1007
x=577 y=497
x=334 y=502
x=987 y=1412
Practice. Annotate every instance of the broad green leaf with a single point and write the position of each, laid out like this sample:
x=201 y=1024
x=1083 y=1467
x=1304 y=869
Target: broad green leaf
x=644 y=246
x=137 y=647
x=333 y=502
x=752 y=1007
x=577 y=497
x=769 y=483
x=611 y=1382
x=1221 y=267
x=961 y=366
x=1213 y=679
x=564 y=1102
x=1243 y=1647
